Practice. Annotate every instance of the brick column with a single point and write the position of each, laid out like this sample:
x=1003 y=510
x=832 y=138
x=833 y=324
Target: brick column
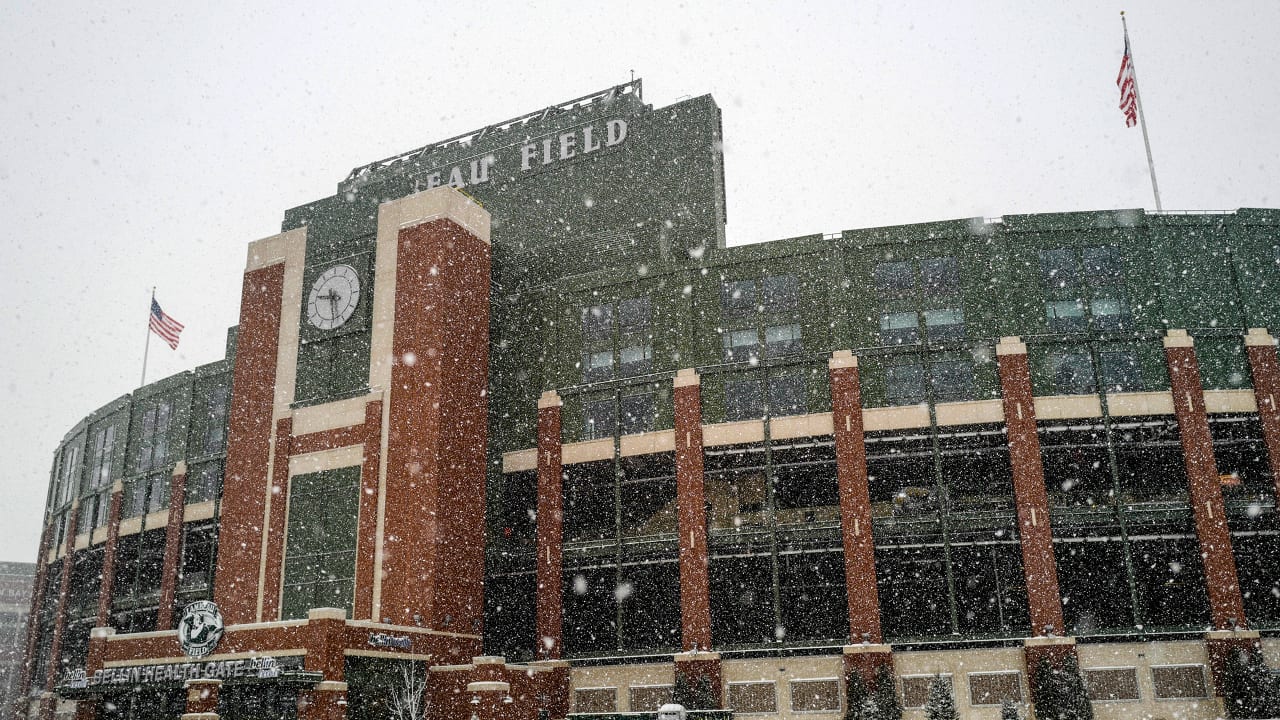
x=60 y=622
x=855 y=499
x=1032 y=501
x=172 y=546
x=277 y=512
x=202 y=699
x=554 y=687
x=21 y=700
x=866 y=660
x=695 y=594
x=107 y=587
x=550 y=602
x=327 y=700
x=701 y=668
x=1265 y=368
x=1225 y=604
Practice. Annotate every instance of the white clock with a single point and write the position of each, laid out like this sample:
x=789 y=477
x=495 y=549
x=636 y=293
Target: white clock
x=334 y=297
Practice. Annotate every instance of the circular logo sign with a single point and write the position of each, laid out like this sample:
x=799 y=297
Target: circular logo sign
x=200 y=628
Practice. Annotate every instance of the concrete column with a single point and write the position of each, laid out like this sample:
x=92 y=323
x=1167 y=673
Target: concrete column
x=695 y=594
x=1260 y=346
x=107 y=587
x=855 y=499
x=550 y=533
x=1043 y=598
x=172 y=545
x=202 y=700
x=1226 y=607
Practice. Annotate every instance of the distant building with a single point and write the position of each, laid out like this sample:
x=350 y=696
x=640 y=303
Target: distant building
x=15 y=604
x=541 y=442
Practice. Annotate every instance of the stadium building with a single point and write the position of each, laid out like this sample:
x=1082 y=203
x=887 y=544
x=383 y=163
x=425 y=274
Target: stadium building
x=505 y=429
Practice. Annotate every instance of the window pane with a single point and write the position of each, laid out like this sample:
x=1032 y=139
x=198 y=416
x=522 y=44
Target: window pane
x=741 y=344
x=787 y=395
x=743 y=399
x=597 y=365
x=1179 y=681
x=915 y=690
x=1058 y=268
x=781 y=293
x=597 y=324
x=904 y=384
x=944 y=324
x=637 y=413
x=782 y=339
x=636 y=360
x=1102 y=265
x=894 y=279
x=752 y=697
x=1110 y=313
x=1072 y=373
x=899 y=328
x=815 y=696
x=738 y=298
x=595 y=700
x=598 y=419
x=952 y=380
x=1112 y=684
x=649 y=698
x=1065 y=315
x=633 y=316
x=940 y=277
x=994 y=688
x=1120 y=372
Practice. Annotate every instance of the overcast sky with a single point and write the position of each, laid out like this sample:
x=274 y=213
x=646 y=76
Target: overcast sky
x=142 y=145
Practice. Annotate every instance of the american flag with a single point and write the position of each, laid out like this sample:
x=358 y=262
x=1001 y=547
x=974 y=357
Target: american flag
x=1128 y=90
x=164 y=326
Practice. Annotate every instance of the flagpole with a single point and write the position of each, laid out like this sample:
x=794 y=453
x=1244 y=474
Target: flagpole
x=147 y=347
x=1142 y=118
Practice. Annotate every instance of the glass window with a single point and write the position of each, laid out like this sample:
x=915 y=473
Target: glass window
x=1109 y=313
x=944 y=324
x=319 y=566
x=994 y=688
x=1102 y=265
x=598 y=419
x=633 y=316
x=215 y=429
x=597 y=324
x=743 y=399
x=1120 y=371
x=952 y=380
x=595 y=700
x=756 y=697
x=787 y=395
x=738 y=298
x=940 y=277
x=782 y=339
x=636 y=360
x=1072 y=373
x=158 y=493
x=648 y=698
x=815 y=695
x=637 y=413
x=915 y=690
x=1179 y=681
x=894 y=279
x=597 y=365
x=153 y=448
x=781 y=293
x=904 y=384
x=104 y=444
x=1058 y=268
x=741 y=345
x=899 y=328
x=1065 y=315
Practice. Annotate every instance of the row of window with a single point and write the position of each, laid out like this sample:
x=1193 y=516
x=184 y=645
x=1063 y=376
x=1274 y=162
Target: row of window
x=824 y=695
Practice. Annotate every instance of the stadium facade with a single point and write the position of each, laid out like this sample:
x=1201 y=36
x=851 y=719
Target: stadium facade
x=505 y=427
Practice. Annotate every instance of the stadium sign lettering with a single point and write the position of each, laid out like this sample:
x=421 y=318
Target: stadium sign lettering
x=259 y=667
x=534 y=155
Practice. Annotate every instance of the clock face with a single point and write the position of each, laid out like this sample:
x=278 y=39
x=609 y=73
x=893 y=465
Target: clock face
x=334 y=297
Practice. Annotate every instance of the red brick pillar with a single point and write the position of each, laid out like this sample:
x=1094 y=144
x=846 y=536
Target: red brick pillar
x=491 y=700
x=21 y=700
x=107 y=587
x=555 y=687
x=866 y=660
x=202 y=700
x=1029 y=494
x=1226 y=607
x=1265 y=368
x=1221 y=644
x=172 y=546
x=550 y=601
x=60 y=622
x=695 y=594
x=855 y=499
x=277 y=513
x=327 y=699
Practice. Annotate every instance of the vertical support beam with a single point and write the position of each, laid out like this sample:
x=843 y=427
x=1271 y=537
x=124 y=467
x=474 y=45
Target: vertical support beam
x=21 y=698
x=855 y=499
x=277 y=514
x=107 y=587
x=172 y=546
x=701 y=671
x=1226 y=607
x=695 y=594
x=1038 y=565
x=366 y=540
x=327 y=699
x=246 y=485
x=865 y=660
x=550 y=530
x=1265 y=368
x=60 y=618
x=554 y=686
